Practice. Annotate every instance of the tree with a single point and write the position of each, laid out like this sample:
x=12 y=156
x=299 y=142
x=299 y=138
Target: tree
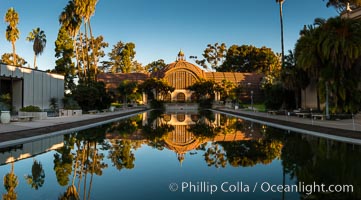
x=215 y=156
x=63 y=159
x=121 y=155
x=10 y=183
x=159 y=86
x=71 y=22
x=121 y=57
x=98 y=52
x=64 y=65
x=156 y=66
x=328 y=51
x=92 y=96
x=7 y=58
x=12 y=32
x=37 y=177
x=86 y=9
x=226 y=89
x=248 y=58
x=203 y=89
x=138 y=67
x=343 y=5
x=127 y=88
x=38 y=38
x=213 y=55
x=280 y=2
x=293 y=78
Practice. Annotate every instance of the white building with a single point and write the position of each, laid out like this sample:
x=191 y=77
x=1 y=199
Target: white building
x=30 y=86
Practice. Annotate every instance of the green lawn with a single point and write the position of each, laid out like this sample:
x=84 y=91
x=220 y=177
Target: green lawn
x=259 y=107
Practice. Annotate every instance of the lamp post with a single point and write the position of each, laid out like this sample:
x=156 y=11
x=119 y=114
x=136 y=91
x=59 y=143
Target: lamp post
x=252 y=100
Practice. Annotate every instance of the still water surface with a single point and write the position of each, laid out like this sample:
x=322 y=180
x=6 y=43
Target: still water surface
x=179 y=156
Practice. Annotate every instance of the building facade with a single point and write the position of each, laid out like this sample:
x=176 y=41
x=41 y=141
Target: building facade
x=182 y=74
x=30 y=87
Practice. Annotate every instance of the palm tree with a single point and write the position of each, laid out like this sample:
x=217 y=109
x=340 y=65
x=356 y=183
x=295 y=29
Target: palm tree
x=280 y=2
x=71 y=21
x=85 y=9
x=307 y=56
x=10 y=183
x=339 y=47
x=38 y=38
x=12 y=32
x=37 y=177
x=92 y=5
x=329 y=51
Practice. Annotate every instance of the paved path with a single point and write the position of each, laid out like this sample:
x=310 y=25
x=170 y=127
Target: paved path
x=20 y=130
x=344 y=130
x=345 y=124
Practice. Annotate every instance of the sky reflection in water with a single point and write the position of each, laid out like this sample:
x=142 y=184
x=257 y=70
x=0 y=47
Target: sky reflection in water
x=143 y=157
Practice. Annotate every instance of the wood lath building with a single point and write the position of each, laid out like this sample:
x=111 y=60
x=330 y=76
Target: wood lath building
x=182 y=74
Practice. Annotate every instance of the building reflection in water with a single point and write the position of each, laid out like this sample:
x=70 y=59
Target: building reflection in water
x=190 y=130
x=29 y=149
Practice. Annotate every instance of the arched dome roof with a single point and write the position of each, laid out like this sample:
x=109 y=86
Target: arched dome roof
x=179 y=65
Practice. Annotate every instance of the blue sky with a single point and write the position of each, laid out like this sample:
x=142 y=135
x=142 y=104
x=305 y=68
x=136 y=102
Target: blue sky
x=160 y=28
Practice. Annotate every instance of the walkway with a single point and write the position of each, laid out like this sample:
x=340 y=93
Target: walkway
x=339 y=130
x=26 y=130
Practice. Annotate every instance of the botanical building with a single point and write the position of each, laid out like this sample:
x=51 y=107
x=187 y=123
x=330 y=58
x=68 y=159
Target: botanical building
x=181 y=74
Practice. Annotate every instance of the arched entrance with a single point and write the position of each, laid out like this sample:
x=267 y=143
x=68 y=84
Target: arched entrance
x=181 y=97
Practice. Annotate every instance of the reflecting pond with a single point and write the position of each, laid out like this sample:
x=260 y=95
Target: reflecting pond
x=181 y=156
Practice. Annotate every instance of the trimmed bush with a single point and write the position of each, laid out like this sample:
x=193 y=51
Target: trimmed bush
x=30 y=109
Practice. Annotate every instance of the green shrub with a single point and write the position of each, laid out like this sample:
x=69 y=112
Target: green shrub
x=4 y=106
x=5 y=102
x=53 y=104
x=274 y=97
x=70 y=104
x=117 y=105
x=92 y=96
x=30 y=109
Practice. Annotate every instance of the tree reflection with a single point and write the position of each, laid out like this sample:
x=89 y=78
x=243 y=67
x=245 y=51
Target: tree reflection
x=228 y=142
x=126 y=127
x=87 y=160
x=204 y=130
x=37 y=177
x=252 y=152
x=10 y=183
x=121 y=155
x=215 y=156
x=155 y=130
x=309 y=159
x=63 y=160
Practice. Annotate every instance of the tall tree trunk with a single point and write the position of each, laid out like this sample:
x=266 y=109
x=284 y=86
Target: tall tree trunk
x=14 y=53
x=87 y=49
x=282 y=43
x=77 y=58
x=95 y=58
x=83 y=55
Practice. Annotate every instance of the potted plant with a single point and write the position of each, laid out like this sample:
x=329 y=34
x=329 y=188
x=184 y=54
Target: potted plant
x=5 y=113
x=33 y=111
x=113 y=106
